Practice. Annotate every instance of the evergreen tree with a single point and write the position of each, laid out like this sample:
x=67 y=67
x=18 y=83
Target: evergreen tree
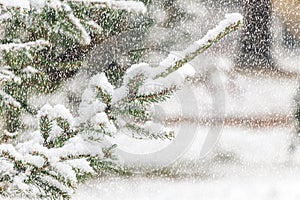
x=52 y=39
x=46 y=41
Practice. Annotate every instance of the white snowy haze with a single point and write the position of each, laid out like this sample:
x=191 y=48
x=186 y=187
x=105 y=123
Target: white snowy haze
x=220 y=132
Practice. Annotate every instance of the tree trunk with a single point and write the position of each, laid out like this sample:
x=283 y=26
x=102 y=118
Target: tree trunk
x=256 y=40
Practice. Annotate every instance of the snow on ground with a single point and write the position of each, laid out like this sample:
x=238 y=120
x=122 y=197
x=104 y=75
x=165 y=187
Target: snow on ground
x=289 y=62
x=254 y=164
x=263 y=188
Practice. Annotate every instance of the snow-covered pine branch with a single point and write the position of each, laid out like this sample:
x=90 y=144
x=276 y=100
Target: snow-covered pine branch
x=131 y=6
x=44 y=42
x=65 y=9
x=26 y=46
x=178 y=61
x=127 y=108
x=24 y=4
x=52 y=160
x=14 y=73
x=49 y=162
x=169 y=76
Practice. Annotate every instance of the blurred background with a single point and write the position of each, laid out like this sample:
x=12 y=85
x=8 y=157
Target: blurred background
x=257 y=155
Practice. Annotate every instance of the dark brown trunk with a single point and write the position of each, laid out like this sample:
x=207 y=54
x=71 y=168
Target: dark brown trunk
x=256 y=40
